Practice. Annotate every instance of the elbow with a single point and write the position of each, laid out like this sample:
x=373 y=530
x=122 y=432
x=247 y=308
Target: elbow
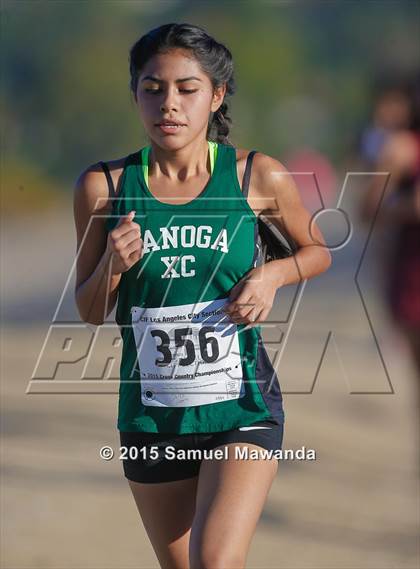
x=86 y=315
x=94 y=321
x=89 y=318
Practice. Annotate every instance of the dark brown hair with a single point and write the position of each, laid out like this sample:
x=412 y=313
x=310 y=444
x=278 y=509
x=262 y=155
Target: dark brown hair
x=213 y=57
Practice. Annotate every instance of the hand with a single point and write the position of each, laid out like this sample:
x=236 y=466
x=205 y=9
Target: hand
x=125 y=244
x=251 y=299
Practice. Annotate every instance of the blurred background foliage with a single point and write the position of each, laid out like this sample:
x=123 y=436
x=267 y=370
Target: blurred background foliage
x=304 y=72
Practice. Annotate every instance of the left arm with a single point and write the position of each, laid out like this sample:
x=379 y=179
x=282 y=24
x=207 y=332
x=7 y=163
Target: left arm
x=287 y=212
x=251 y=299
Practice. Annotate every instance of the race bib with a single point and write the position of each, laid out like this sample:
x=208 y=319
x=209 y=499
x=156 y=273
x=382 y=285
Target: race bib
x=187 y=354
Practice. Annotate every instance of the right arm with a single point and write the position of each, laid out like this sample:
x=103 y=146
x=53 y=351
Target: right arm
x=101 y=256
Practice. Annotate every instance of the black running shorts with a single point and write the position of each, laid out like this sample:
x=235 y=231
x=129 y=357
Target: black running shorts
x=164 y=457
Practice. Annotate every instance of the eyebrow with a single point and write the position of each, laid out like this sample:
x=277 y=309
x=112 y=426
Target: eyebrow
x=152 y=78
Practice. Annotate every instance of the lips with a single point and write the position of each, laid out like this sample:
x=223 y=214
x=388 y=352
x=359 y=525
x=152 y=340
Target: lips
x=169 y=123
x=170 y=127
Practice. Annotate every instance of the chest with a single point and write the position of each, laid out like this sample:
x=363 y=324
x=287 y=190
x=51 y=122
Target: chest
x=196 y=246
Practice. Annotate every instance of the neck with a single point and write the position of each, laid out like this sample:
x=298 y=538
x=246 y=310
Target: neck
x=180 y=165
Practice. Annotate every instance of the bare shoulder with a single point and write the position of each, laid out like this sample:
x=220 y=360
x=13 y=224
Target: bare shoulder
x=269 y=171
x=271 y=184
x=92 y=186
x=116 y=168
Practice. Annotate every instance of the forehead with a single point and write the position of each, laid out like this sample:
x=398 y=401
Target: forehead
x=173 y=65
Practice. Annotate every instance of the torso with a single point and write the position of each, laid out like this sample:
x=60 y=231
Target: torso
x=194 y=253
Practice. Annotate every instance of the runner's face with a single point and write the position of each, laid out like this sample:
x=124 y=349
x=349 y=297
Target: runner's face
x=161 y=95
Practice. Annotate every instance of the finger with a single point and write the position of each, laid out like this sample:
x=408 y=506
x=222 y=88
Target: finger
x=245 y=312
x=124 y=222
x=126 y=218
x=261 y=315
x=135 y=245
x=136 y=255
x=126 y=238
x=242 y=305
x=260 y=318
x=236 y=291
x=123 y=236
x=239 y=318
x=130 y=255
x=235 y=303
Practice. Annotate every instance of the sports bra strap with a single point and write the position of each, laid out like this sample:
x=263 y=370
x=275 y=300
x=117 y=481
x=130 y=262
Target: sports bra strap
x=247 y=174
x=111 y=189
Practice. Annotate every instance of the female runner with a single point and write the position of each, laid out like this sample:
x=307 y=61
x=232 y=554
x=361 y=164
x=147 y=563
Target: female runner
x=177 y=251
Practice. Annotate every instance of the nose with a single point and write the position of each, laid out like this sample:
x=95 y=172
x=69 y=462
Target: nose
x=168 y=102
x=167 y=106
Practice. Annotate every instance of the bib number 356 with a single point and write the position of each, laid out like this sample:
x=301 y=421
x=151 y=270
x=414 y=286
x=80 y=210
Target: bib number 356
x=187 y=354
x=207 y=344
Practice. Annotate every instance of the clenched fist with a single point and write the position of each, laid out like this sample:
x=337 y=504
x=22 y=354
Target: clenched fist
x=125 y=244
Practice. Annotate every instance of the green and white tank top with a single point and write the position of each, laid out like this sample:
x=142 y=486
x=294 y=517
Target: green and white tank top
x=185 y=367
